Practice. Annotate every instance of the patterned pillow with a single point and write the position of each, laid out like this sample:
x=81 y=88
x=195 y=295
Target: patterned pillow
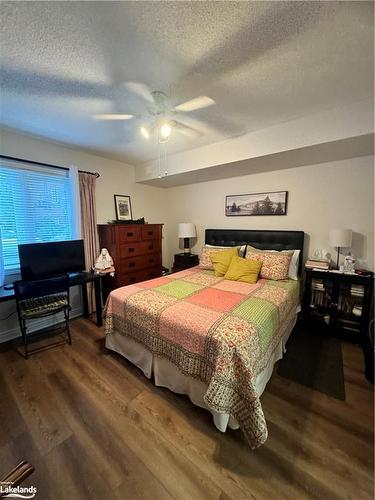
x=241 y=249
x=275 y=266
x=204 y=258
x=294 y=261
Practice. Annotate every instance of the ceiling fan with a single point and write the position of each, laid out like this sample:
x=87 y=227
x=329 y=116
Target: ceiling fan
x=160 y=119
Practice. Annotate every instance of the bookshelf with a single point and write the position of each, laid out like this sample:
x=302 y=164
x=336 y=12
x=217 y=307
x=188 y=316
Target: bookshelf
x=338 y=303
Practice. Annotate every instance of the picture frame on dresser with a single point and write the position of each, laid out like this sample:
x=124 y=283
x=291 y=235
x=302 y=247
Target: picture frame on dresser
x=123 y=207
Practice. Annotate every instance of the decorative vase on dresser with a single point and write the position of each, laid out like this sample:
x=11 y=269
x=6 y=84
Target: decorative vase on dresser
x=136 y=252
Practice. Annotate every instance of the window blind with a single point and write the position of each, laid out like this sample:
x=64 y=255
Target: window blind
x=35 y=207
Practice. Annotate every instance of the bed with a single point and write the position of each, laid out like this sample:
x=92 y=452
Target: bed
x=212 y=339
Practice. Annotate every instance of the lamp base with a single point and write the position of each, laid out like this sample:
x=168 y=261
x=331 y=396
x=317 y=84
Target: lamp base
x=187 y=246
x=338 y=258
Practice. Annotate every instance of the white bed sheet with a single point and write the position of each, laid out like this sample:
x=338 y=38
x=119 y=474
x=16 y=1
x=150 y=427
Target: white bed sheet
x=166 y=374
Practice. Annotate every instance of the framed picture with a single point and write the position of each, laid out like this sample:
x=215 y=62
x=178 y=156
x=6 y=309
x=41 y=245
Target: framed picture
x=123 y=207
x=271 y=203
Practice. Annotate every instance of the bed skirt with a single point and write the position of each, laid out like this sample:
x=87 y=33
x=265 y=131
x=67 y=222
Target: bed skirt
x=166 y=374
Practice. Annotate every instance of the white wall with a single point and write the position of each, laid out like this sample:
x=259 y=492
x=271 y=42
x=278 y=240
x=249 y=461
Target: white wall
x=115 y=178
x=321 y=197
x=337 y=124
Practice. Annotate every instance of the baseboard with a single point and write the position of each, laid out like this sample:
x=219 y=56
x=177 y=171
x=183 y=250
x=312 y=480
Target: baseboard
x=38 y=324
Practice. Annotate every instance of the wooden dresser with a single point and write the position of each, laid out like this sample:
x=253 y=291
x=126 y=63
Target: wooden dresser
x=135 y=250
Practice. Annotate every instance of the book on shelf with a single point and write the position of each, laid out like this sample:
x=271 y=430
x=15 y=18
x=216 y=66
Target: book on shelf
x=357 y=290
x=317 y=263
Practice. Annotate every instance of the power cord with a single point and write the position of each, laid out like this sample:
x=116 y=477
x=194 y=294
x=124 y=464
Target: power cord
x=8 y=286
x=371 y=332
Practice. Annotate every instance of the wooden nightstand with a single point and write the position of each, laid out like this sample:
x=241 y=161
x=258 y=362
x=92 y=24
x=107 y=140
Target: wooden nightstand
x=184 y=261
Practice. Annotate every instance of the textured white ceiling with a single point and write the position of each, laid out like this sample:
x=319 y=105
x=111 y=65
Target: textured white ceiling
x=262 y=62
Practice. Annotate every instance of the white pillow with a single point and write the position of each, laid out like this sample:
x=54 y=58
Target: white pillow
x=293 y=266
x=241 y=249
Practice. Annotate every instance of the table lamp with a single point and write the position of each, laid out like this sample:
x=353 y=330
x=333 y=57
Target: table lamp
x=340 y=238
x=186 y=230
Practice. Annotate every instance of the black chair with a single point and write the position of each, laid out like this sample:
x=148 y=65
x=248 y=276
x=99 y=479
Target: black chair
x=39 y=299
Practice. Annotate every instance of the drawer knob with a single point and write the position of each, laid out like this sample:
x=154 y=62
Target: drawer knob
x=131 y=250
x=150 y=261
x=130 y=234
x=150 y=233
x=150 y=247
x=131 y=264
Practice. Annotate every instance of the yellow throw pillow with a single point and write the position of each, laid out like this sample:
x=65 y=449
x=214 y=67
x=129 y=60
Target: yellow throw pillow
x=221 y=260
x=204 y=258
x=243 y=270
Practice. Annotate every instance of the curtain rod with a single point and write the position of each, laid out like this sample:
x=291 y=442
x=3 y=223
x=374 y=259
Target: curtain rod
x=46 y=164
x=91 y=173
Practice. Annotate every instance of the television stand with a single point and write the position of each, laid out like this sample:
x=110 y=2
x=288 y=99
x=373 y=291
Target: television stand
x=82 y=279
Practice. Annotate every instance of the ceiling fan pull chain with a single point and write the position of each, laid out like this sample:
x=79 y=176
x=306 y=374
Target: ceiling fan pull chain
x=165 y=159
x=159 y=155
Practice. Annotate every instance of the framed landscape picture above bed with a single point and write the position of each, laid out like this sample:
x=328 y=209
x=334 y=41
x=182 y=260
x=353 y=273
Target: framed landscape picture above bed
x=270 y=203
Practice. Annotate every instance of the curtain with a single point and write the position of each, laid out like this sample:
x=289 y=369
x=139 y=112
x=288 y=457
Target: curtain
x=89 y=234
x=76 y=202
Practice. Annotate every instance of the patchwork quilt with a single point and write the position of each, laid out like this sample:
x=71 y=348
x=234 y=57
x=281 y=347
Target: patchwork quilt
x=218 y=331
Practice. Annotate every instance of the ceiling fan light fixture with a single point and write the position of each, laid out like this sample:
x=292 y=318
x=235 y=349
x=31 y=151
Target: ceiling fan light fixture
x=145 y=132
x=165 y=131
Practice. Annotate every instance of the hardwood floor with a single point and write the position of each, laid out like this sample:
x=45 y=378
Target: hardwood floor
x=95 y=428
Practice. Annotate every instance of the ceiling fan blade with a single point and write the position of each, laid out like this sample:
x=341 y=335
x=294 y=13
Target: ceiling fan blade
x=201 y=127
x=140 y=89
x=186 y=130
x=46 y=85
x=113 y=116
x=196 y=103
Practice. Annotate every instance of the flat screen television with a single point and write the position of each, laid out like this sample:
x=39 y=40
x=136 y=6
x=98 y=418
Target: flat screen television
x=43 y=260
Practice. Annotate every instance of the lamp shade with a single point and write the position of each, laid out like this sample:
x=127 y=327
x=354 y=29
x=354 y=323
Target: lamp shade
x=340 y=238
x=186 y=230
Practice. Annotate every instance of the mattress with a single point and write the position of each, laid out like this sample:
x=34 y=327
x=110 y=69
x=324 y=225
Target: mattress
x=213 y=339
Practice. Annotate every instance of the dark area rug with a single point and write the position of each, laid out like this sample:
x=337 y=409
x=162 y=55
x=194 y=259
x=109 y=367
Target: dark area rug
x=314 y=359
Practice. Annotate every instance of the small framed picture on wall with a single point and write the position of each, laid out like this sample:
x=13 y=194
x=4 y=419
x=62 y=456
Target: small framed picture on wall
x=123 y=207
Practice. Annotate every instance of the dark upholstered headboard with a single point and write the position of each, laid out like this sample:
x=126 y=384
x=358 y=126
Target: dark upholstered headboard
x=262 y=239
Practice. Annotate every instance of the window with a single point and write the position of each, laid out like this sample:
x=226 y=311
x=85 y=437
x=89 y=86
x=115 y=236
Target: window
x=35 y=206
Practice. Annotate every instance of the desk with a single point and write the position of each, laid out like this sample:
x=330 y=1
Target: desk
x=75 y=279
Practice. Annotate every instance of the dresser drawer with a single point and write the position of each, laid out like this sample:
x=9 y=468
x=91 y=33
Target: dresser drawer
x=129 y=233
x=138 y=248
x=150 y=232
x=137 y=276
x=140 y=262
